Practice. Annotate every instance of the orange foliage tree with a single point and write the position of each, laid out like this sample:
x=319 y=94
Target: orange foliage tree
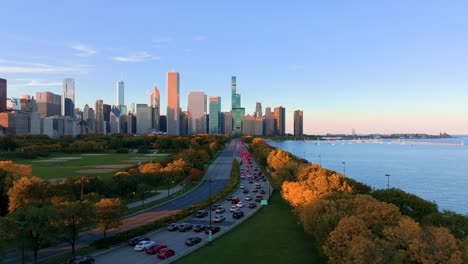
x=27 y=190
x=108 y=212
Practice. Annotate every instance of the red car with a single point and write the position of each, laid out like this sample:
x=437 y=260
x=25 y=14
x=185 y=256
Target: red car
x=155 y=248
x=252 y=205
x=165 y=253
x=235 y=200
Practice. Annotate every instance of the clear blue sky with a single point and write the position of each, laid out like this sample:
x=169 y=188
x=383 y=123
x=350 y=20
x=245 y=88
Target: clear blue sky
x=375 y=66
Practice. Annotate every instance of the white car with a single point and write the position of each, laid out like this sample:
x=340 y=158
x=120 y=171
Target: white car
x=240 y=204
x=242 y=186
x=248 y=197
x=233 y=208
x=220 y=209
x=219 y=218
x=143 y=245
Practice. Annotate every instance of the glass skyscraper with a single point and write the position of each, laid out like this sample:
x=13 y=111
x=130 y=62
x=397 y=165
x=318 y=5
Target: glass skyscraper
x=197 y=113
x=68 y=97
x=215 y=111
x=173 y=112
x=120 y=93
x=238 y=112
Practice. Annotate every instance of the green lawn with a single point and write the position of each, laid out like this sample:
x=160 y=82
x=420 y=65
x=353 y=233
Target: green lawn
x=60 y=167
x=270 y=236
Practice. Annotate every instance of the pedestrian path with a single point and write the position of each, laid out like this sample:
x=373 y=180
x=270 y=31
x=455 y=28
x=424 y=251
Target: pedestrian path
x=161 y=194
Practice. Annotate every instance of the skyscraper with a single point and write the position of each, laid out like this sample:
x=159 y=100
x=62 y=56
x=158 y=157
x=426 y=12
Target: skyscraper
x=227 y=117
x=120 y=94
x=155 y=104
x=258 y=109
x=173 y=115
x=68 y=97
x=237 y=111
x=143 y=119
x=197 y=113
x=99 y=116
x=269 y=122
x=48 y=104
x=280 y=121
x=215 y=111
x=3 y=95
x=298 y=123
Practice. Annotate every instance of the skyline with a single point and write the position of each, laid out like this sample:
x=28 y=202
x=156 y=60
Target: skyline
x=373 y=67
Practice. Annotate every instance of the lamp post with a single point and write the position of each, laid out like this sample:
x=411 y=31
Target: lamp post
x=210 y=209
x=344 y=168
x=320 y=160
x=269 y=183
x=388 y=180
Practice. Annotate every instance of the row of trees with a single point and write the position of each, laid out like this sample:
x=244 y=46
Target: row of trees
x=351 y=223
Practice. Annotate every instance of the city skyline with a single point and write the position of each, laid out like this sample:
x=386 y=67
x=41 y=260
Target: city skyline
x=372 y=67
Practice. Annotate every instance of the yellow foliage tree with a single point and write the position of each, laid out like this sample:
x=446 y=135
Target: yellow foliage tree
x=108 y=212
x=150 y=167
x=27 y=190
x=277 y=159
x=17 y=169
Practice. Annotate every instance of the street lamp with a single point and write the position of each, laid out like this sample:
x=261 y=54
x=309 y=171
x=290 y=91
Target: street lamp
x=344 y=168
x=388 y=180
x=320 y=160
x=210 y=209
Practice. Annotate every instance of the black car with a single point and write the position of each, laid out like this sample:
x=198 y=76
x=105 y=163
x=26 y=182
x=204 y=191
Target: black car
x=173 y=227
x=80 y=260
x=184 y=227
x=201 y=213
x=237 y=215
x=199 y=228
x=214 y=230
x=137 y=240
x=192 y=241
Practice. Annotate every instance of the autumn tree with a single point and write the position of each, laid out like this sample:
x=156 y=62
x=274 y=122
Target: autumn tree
x=27 y=190
x=72 y=217
x=277 y=159
x=9 y=172
x=108 y=212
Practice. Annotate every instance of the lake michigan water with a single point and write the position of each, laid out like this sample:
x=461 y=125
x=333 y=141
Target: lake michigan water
x=435 y=172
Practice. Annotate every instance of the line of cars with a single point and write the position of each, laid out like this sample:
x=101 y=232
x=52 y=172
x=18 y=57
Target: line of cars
x=150 y=247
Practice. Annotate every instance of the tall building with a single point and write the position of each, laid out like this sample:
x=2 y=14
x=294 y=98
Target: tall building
x=48 y=104
x=237 y=111
x=114 y=120
x=298 y=123
x=106 y=109
x=120 y=93
x=258 y=110
x=173 y=113
x=280 y=121
x=269 y=126
x=252 y=126
x=215 y=111
x=143 y=119
x=227 y=117
x=197 y=113
x=99 y=117
x=3 y=95
x=68 y=97
x=163 y=123
x=184 y=122
x=155 y=104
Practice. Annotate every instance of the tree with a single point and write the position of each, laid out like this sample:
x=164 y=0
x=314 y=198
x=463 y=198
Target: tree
x=72 y=217
x=9 y=172
x=27 y=190
x=277 y=159
x=108 y=212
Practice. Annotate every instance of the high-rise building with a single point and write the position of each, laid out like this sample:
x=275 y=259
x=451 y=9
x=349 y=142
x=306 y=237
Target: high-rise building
x=120 y=93
x=14 y=123
x=155 y=104
x=68 y=97
x=258 y=110
x=227 y=116
x=252 y=126
x=298 y=123
x=143 y=119
x=269 y=126
x=280 y=120
x=48 y=104
x=106 y=109
x=197 y=113
x=3 y=95
x=163 y=123
x=114 y=120
x=237 y=111
x=99 y=116
x=173 y=113
x=215 y=111
x=184 y=122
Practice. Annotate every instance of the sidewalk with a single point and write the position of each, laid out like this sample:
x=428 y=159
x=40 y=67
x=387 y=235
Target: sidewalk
x=162 y=194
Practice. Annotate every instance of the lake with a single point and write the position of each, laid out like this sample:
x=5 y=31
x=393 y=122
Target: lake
x=429 y=168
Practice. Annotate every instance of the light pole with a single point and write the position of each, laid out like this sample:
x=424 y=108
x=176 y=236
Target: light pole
x=388 y=180
x=320 y=160
x=210 y=209
x=344 y=168
x=269 y=183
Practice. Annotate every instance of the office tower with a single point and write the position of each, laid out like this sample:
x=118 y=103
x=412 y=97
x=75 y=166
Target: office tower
x=13 y=103
x=3 y=95
x=197 y=112
x=14 y=123
x=114 y=120
x=163 y=123
x=85 y=112
x=99 y=116
x=68 y=97
x=269 y=127
x=184 y=122
x=280 y=121
x=173 y=114
x=298 y=123
x=215 y=111
x=131 y=123
x=155 y=104
x=106 y=109
x=227 y=123
x=48 y=104
x=258 y=110
x=252 y=126
x=236 y=110
x=132 y=108
x=143 y=119
x=120 y=93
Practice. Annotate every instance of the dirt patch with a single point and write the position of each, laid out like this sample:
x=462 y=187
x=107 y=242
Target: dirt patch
x=113 y=166
x=96 y=170
x=139 y=159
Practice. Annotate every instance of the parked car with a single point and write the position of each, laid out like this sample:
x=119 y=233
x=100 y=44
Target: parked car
x=143 y=245
x=220 y=209
x=192 y=241
x=201 y=213
x=199 y=228
x=238 y=215
x=184 y=227
x=165 y=253
x=240 y=204
x=252 y=205
x=214 y=230
x=137 y=240
x=155 y=248
x=173 y=227
x=219 y=218
x=80 y=260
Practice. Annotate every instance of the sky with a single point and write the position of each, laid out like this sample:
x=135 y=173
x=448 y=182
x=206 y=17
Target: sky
x=375 y=66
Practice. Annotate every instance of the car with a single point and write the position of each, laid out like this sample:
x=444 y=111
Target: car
x=137 y=240
x=219 y=218
x=220 y=209
x=255 y=190
x=143 y=245
x=262 y=192
x=248 y=197
x=80 y=260
x=242 y=186
x=199 y=228
x=258 y=198
x=214 y=229
x=236 y=210
x=238 y=215
x=172 y=227
x=155 y=248
x=215 y=206
x=192 y=241
x=235 y=200
x=264 y=180
x=184 y=227
x=233 y=208
x=240 y=204
x=228 y=198
x=258 y=187
x=245 y=191
x=165 y=253
x=201 y=213
x=252 y=205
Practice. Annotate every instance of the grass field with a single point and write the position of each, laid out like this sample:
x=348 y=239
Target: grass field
x=61 y=165
x=270 y=236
